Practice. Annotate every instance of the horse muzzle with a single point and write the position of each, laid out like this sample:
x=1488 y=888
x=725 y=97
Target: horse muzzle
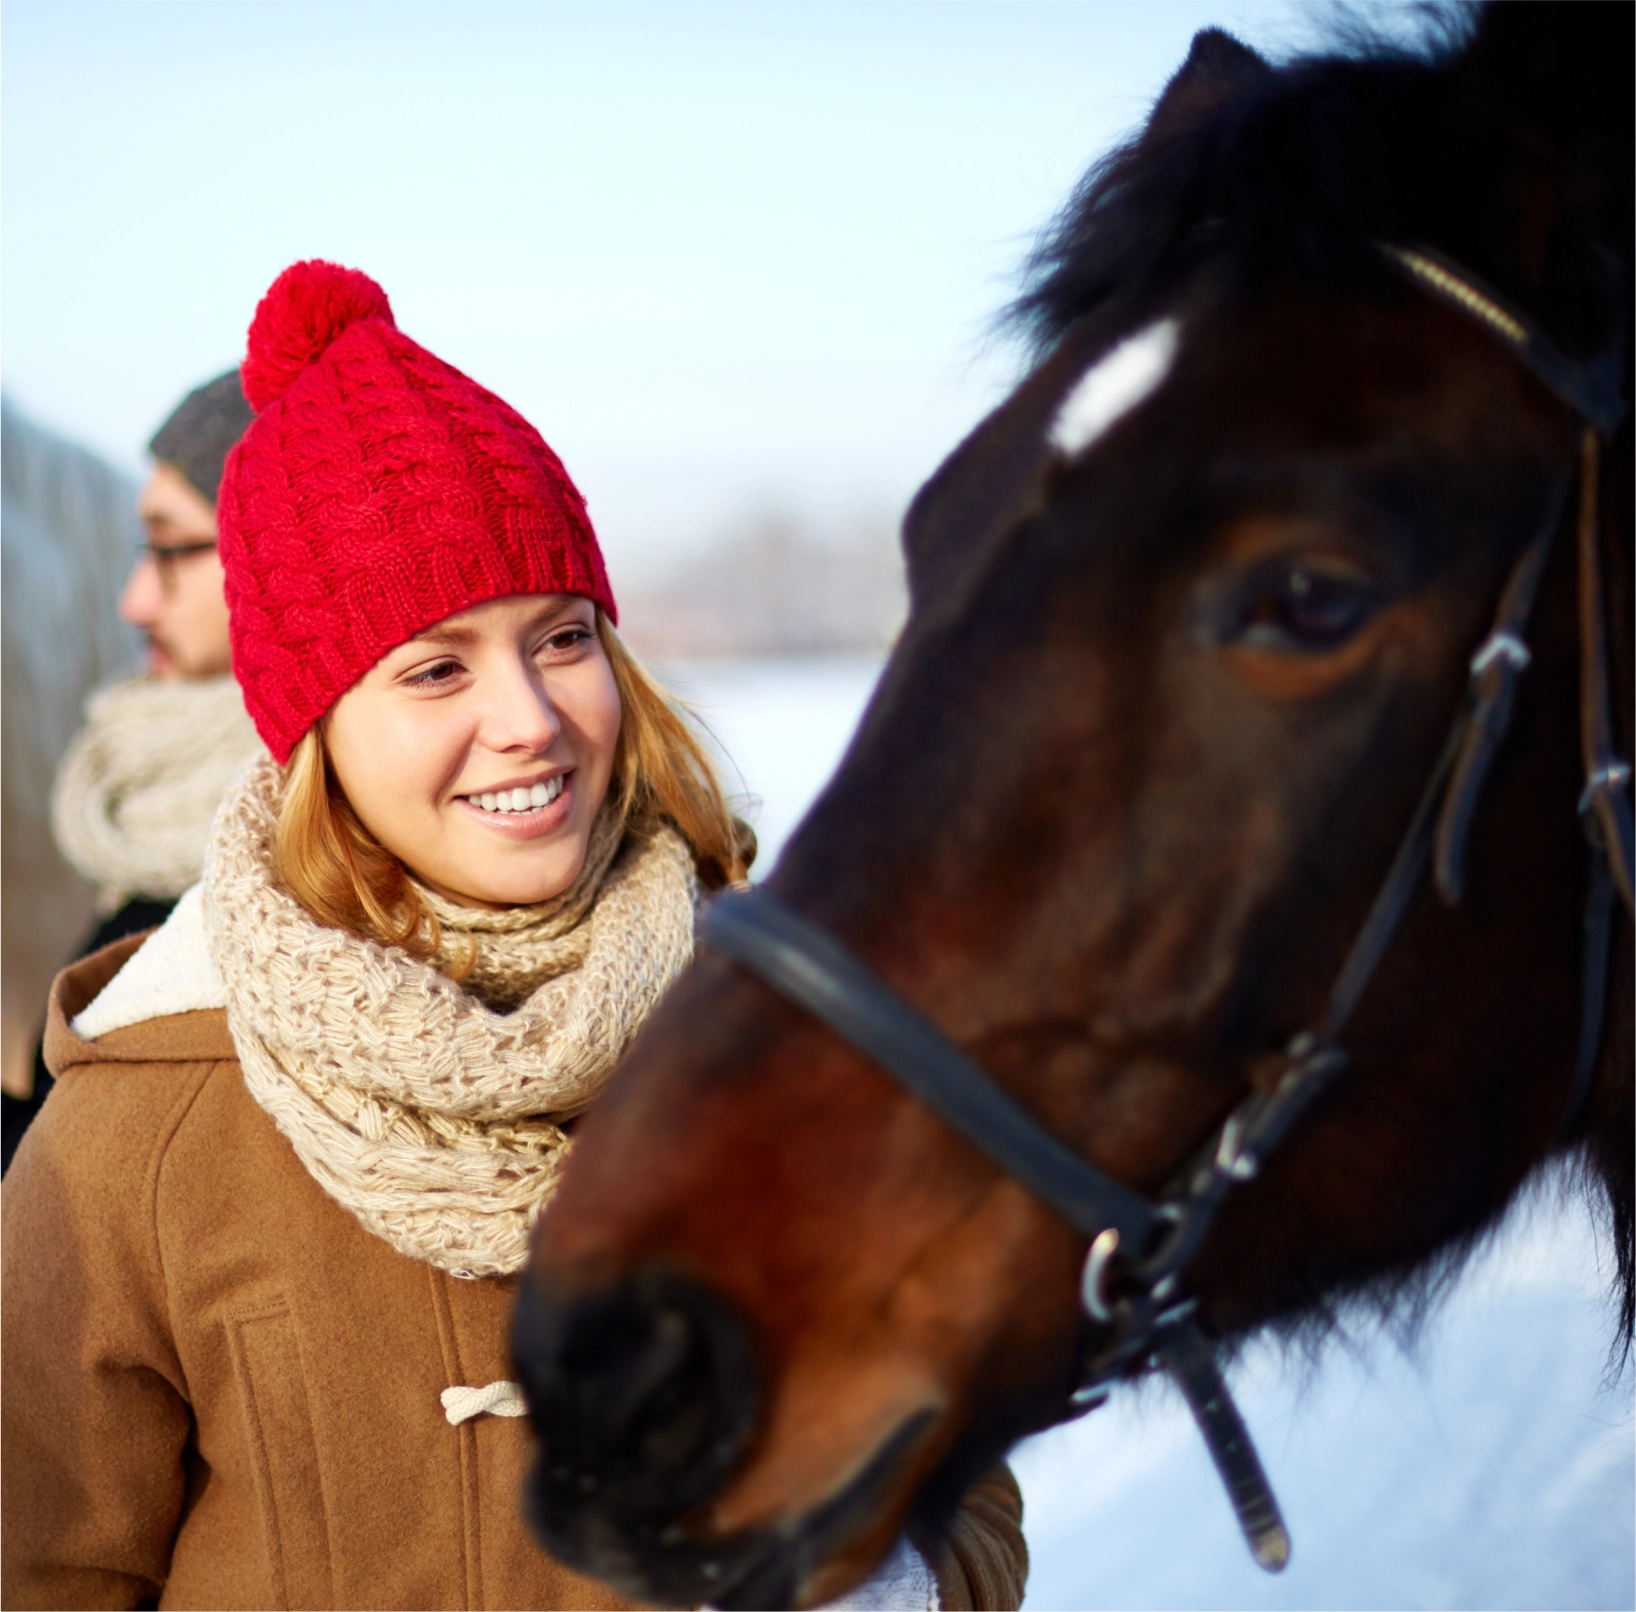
x=645 y=1397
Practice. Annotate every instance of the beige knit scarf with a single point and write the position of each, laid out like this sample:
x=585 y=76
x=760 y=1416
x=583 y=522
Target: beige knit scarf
x=430 y=1114
x=139 y=785
x=504 y=956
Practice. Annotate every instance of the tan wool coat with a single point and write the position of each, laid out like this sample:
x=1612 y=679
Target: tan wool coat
x=219 y=1390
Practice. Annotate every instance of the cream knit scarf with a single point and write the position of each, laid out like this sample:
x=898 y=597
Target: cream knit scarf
x=139 y=785
x=503 y=956
x=428 y=1113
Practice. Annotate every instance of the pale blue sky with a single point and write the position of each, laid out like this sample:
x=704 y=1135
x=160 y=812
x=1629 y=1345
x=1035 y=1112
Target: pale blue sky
x=728 y=257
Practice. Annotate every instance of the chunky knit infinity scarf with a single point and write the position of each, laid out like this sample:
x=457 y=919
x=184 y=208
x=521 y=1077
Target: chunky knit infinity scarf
x=413 y=1103
x=504 y=956
x=138 y=787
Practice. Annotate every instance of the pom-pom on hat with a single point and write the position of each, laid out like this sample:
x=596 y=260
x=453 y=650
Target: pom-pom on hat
x=377 y=491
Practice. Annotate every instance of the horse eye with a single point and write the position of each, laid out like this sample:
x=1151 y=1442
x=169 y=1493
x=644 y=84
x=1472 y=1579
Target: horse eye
x=1310 y=610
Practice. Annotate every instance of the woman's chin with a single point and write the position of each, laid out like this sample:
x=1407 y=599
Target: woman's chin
x=531 y=873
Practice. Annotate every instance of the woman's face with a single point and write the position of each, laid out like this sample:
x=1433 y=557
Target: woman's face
x=479 y=752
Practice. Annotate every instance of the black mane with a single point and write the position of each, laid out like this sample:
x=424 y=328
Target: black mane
x=1298 y=171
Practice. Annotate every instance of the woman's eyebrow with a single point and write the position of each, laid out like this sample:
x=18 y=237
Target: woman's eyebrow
x=445 y=635
x=553 y=612
x=441 y=634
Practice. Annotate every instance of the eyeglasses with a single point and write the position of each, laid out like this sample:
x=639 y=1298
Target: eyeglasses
x=167 y=559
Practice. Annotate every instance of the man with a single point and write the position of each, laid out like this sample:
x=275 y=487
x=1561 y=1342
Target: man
x=174 y=596
x=138 y=787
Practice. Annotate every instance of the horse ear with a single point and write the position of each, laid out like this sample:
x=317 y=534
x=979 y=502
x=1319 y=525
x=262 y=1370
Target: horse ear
x=1218 y=69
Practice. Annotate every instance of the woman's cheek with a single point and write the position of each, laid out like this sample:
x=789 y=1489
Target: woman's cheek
x=396 y=763
x=423 y=752
x=608 y=714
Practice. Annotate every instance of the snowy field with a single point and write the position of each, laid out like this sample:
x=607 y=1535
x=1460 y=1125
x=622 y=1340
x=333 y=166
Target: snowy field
x=1490 y=1467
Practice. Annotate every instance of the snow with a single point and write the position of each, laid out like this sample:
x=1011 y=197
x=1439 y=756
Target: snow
x=1486 y=1465
x=1487 y=1468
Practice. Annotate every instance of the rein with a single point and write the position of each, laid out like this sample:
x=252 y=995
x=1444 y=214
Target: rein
x=1140 y=1249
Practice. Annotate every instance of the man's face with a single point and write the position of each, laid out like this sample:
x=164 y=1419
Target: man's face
x=175 y=594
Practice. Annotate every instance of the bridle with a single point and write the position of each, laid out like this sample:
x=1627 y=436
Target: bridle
x=1140 y=1249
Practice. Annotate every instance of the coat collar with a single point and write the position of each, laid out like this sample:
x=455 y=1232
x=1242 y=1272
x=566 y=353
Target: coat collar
x=175 y=1037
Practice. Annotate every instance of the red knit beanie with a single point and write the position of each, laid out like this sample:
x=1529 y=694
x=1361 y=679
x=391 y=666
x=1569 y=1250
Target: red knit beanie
x=377 y=491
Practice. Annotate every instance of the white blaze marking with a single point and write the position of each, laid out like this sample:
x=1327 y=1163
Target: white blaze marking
x=1114 y=385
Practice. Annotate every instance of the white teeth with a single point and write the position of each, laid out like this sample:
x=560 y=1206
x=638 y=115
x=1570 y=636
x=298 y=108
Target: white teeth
x=519 y=800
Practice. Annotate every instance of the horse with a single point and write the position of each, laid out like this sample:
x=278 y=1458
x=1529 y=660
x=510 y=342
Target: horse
x=69 y=528
x=1221 y=912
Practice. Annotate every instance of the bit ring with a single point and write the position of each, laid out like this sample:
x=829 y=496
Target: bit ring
x=1103 y=1247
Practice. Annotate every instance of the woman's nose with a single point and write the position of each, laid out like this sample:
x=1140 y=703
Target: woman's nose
x=520 y=715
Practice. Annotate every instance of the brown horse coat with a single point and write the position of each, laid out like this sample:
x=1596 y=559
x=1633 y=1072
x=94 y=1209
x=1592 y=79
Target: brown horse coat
x=220 y=1390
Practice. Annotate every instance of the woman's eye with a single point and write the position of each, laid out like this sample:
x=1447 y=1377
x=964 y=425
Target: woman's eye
x=1307 y=609
x=567 y=638
x=433 y=675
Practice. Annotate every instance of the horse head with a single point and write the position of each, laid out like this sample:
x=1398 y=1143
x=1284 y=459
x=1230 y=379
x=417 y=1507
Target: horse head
x=1191 y=615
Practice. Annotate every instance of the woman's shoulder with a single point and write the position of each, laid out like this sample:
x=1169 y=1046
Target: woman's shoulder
x=84 y=1182
x=132 y=1033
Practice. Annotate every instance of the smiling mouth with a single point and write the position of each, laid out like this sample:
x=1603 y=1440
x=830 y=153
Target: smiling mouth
x=519 y=801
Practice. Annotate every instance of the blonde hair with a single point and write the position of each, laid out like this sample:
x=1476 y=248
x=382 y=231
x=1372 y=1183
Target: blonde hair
x=347 y=879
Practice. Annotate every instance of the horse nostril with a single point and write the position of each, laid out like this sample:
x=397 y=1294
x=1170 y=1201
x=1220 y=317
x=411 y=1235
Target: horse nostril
x=642 y=1395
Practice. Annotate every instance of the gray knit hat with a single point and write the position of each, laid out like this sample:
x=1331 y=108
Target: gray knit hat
x=197 y=437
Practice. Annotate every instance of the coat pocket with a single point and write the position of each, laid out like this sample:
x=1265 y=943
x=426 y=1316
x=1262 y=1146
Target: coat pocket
x=272 y=1387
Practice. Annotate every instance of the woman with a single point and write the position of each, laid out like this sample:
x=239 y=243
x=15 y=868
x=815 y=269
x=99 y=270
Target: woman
x=261 y=1245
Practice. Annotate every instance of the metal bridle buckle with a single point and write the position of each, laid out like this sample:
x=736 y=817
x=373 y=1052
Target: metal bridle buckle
x=1157 y=1273
x=1614 y=775
x=1092 y=1292
x=1502 y=645
x=1232 y=1157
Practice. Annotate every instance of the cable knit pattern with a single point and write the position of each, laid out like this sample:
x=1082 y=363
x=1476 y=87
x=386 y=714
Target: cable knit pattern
x=136 y=791
x=378 y=491
x=423 y=1111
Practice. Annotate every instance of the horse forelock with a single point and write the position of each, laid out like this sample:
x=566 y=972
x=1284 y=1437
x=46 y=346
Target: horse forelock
x=1299 y=171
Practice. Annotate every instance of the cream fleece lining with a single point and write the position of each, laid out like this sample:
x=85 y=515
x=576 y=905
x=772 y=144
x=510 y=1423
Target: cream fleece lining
x=170 y=972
